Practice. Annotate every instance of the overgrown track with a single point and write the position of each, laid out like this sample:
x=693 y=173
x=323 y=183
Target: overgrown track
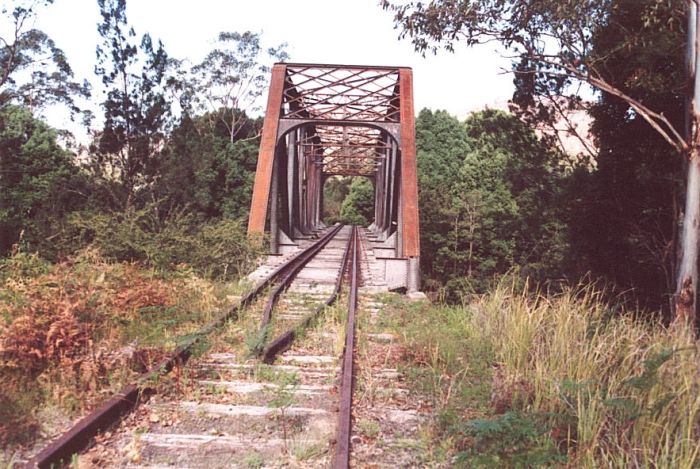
x=288 y=328
x=282 y=343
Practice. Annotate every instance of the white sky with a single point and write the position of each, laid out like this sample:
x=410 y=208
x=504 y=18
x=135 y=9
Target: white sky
x=317 y=31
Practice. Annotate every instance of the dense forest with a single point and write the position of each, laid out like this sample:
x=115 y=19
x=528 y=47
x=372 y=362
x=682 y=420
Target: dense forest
x=171 y=165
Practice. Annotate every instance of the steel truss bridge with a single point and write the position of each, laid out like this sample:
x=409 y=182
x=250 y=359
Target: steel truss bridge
x=328 y=120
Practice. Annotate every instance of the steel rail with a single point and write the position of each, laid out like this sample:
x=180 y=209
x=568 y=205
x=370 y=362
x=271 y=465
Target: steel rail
x=59 y=452
x=285 y=340
x=343 y=433
x=292 y=271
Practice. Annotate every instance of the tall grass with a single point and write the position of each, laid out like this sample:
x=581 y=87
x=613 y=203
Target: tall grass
x=535 y=380
x=618 y=391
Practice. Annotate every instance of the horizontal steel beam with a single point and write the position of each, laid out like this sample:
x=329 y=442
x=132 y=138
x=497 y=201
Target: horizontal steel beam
x=348 y=67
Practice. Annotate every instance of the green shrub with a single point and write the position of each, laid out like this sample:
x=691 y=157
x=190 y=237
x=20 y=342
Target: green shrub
x=510 y=440
x=218 y=248
x=358 y=206
x=22 y=265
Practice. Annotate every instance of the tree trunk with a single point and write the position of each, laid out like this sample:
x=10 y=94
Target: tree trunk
x=687 y=280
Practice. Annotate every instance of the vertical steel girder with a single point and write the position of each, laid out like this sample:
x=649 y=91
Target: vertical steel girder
x=327 y=120
x=409 y=175
x=266 y=155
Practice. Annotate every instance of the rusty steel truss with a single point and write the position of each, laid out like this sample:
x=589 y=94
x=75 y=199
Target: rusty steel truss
x=339 y=120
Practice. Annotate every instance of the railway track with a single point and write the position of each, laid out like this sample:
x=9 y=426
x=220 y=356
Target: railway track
x=270 y=390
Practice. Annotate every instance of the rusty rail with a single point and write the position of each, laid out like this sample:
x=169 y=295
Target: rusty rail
x=58 y=453
x=293 y=270
x=342 y=449
x=285 y=340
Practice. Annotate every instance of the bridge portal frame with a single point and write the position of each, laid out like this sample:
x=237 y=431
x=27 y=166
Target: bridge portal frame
x=326 y=101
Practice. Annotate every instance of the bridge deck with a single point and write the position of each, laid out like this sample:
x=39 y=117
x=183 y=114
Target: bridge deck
x=374 y=270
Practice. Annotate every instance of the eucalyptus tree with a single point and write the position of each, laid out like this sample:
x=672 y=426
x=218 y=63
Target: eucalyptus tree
x=34 y=72
x=137 y=109
x=551 y=41
x=230 y=81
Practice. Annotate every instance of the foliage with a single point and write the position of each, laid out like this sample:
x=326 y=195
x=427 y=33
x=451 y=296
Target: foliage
x=201 y=169
x=137 y=162
x=523 y=379
x=22 y=265
x=34 y=72
x=218 y=248
x=230 y=80
x=624 y=214
x=623 y=209
x=358 y=207
x=626 y=393
x=511 y=439
x=136 y=110
x=553 y=43
x=488 y=192
x=335 y=190
x=74 y=331
x=39 y=180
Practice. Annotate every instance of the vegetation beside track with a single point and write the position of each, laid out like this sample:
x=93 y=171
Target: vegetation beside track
x=523 y=380
x=74 y=332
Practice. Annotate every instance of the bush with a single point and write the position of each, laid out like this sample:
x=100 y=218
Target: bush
x=358 y=206
x=75 y=331
x=218 y=249
x=40 y=182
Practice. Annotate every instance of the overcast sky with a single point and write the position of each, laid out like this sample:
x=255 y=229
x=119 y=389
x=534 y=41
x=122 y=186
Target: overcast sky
x=316 y=31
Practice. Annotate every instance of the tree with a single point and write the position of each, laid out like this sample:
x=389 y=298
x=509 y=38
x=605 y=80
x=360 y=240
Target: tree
x=38 y=179
x=335 y=190
x=533 y=174
x=624 y=214
x=488 y=199
x=137 y=113
x=553 y=43
x=33 y=71
x=203 y=171
x=358 y=207
x=230 y=80
x=442 y=144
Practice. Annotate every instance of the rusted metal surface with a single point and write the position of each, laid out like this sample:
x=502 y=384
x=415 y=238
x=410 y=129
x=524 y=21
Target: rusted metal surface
x=285 y=340
x=341 y=101
x=266 y=155
x=409 y=177
x=339 y=120
x=341 y=93
x=344 y=430
x=60 y=451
